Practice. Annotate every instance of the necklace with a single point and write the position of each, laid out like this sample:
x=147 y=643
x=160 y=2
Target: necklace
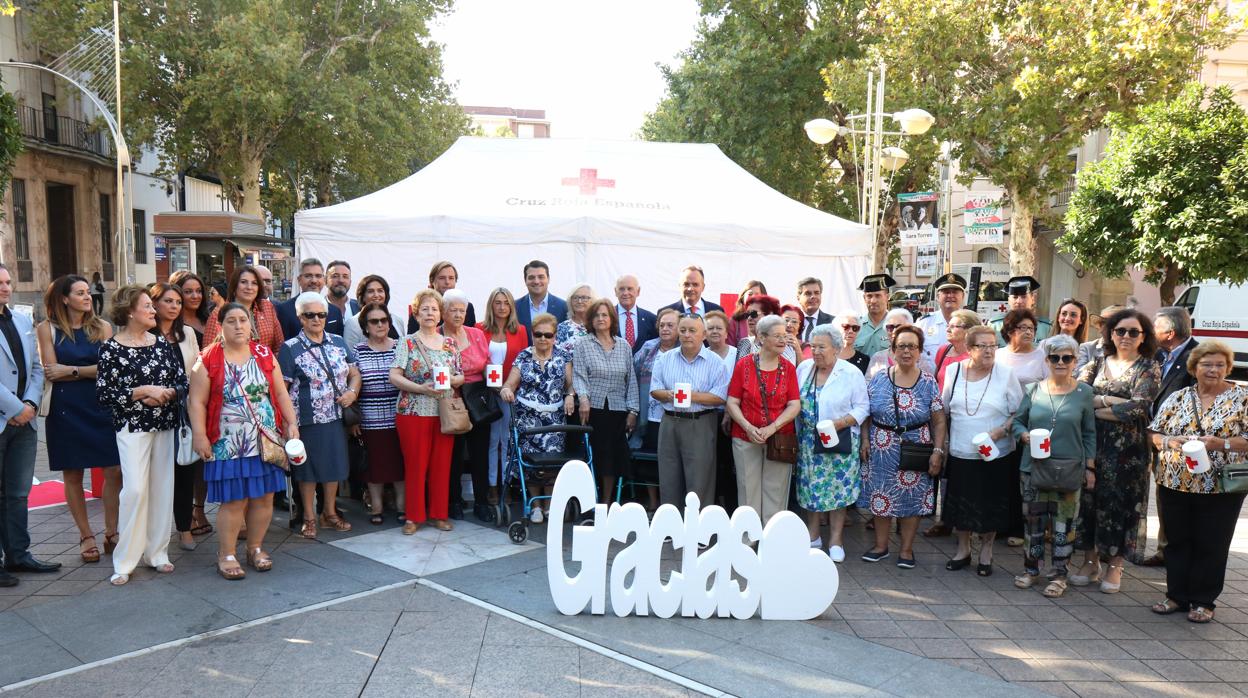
x=1058 y=408
x=966 y=394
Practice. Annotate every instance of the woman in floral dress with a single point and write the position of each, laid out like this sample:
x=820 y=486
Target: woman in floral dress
x=540 y=390
x=905 y=406
x=1113 y=514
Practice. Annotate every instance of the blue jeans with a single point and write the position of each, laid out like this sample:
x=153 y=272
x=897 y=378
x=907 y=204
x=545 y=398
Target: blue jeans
x=17 y=469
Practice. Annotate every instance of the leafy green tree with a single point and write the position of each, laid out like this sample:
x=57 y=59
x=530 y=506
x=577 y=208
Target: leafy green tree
x=1170 y=197
x=339 y=98
x=10 y=139
x=1015 y=85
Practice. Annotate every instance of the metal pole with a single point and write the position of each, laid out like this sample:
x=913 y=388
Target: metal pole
x=124 y=205
x=877 y=140
x=864 y=191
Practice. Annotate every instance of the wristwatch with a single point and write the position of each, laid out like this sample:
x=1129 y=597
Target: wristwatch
x=1226 y=444
x=74 y=370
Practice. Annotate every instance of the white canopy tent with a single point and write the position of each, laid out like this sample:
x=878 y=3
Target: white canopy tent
x=592 y=210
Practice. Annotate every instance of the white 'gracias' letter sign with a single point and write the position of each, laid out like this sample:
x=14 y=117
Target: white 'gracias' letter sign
x=785 y=579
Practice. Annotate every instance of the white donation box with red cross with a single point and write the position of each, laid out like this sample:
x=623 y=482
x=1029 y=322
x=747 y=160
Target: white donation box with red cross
x=494 y=376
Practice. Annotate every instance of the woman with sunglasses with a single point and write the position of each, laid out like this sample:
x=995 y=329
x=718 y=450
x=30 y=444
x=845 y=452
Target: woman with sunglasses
x=1072 y=320
x=1063 y=406
x=885 y=359
x=738 y=328
x=378 y=398
x=850 y=327
x=322 y=378
x=1126 y=381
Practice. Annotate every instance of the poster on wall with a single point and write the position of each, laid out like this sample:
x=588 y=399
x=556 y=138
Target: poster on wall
x=162 y=250
x=982 y=218
x=925 y=260
x=919 y=219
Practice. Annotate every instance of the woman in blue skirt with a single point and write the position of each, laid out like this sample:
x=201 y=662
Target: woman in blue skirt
x=80 y=430
x=237 y=396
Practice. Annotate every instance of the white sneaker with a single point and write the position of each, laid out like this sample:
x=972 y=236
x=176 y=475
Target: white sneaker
x=837 y=553
x=535 y=516
x=817 y=543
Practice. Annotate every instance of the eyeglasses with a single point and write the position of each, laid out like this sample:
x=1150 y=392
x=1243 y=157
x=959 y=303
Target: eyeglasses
x=314 y=316
x=1061 y=359
x=581 y=299
x=906 y=347
x=1026 y=328
x=850 y=328
x=1131 y=332
x=753 y=314
x=984 y=347
x=379 y=321
x=792 y=321
x=890 y=328
x=543 y=335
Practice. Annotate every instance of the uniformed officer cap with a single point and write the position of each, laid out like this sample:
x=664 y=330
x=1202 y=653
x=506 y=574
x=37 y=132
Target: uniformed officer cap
x=1022 y=285
x=876 y=282
x=951 y=280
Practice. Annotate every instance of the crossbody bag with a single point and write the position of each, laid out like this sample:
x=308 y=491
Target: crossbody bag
x=350 y=413
x=843 y=436
x=1056 y=474
x=452 y=412
x=915 y=457
x=780 y=447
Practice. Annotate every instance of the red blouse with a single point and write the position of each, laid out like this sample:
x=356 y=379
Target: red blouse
x=517 y=342
x=474 y=359
x=781 y=386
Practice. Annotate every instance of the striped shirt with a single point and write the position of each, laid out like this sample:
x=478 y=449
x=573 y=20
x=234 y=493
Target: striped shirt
x=706 y=373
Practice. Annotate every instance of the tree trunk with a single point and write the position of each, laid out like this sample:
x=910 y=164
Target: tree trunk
x=885 y=239
x=249 y=200
x=1169 y=282
x=1022 y=239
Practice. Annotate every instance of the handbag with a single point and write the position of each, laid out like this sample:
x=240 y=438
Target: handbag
x=350 y=414
x=482 y=403
x=45 y=399
x=843 y=436
x=1057 y=474
x=1231 y=477
x=914 y=457
x=781 y=448
x=272 y=445
x=184 y=453
x=452 y=413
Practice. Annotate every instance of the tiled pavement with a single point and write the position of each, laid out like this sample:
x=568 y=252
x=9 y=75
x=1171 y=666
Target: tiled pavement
x=1086 y=644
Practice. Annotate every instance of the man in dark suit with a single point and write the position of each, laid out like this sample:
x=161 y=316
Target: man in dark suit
x=442 y=278
x=311 y=278
x=637 y=325
x=539 y=299
x=809 y=298
x=692 y=284
x=1173 y=327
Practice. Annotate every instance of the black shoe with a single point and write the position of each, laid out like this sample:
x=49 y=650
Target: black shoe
x=875 y=556
x=457 y=511
x=7 y=580
x=955 y=564
x=30 y=564
x=984 y=570
x=483 y=512
x=905 y=563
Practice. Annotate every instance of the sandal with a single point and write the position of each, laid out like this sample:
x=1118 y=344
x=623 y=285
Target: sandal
x=91 y=554
x=110 y=543
x=1167 y=606
x=118 y=579
x=166 y=568
x=1200 y=614
x=443 y=525
x=335 y=522
x=233 y=572
x=410 y=528
x=1108 y=587
x=309 y=529
x=1055 y=589
x=375 y=518
x=1027 y=580
x=259 y=560
x=202 y=529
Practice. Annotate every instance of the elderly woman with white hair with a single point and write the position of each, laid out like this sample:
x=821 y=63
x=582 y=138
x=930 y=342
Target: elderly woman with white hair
x=828 y=477
x=474 y=353
x=763 y=401
x=577 y=324
x=884 y=358
x=850 y=325
x=323 y=381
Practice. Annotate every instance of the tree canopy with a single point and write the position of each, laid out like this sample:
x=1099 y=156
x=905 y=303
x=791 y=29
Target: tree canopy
x=334 y=99
x=1170 y=196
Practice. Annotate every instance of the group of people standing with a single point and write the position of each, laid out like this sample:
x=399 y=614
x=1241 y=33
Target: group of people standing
x=770 y=405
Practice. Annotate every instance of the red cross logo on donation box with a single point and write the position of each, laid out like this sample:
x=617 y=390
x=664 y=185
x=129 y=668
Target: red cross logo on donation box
x=825 y=438
x=441 y=379
x=588 y=181
x=680 y=396
x=494 y=375
x=985 y=450
x=1191 y=462
x=1044 y=445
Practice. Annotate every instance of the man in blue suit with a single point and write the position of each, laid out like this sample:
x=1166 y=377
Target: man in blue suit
x=692 y=284
x=21 y=387
x=637 y=325
x=311 y=278
x=538 y=300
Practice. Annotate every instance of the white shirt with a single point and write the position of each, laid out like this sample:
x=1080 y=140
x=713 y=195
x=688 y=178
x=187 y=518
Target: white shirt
x=697 y=309
x=935 y=330
x=498 y=352
x=992 y=398
x=1028 y=368
x=844 y=392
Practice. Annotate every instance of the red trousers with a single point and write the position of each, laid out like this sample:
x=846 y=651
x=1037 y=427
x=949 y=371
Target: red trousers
x=426 y=455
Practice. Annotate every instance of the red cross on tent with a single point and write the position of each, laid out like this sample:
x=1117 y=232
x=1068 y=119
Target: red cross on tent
x=494 y=375
x=1044 y=445
x=588 y=181
x=985 y=450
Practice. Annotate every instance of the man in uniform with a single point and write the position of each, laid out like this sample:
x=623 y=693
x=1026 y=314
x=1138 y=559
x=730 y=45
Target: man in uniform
x=873 y=337
x=1022 y=290
x=950 y=296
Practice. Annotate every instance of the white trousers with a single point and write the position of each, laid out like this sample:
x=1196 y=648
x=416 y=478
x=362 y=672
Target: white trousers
x=146 y=512
x=761 y=483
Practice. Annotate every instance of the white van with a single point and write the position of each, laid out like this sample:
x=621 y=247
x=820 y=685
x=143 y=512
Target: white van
x=1219 y=311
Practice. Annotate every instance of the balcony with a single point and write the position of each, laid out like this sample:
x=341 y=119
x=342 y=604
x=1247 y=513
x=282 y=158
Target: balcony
x=45 y=126
x=1062 y=196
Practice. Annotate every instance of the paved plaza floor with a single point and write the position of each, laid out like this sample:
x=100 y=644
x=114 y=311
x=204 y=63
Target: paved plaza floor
x=372 y=612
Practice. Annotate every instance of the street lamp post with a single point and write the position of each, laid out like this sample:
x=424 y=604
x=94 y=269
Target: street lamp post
x=876 y=156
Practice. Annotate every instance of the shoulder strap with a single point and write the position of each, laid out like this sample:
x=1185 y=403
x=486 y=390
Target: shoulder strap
x=762 y=389
x=1200 y=429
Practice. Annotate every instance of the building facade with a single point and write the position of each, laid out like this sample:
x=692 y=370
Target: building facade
x=521 y=123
